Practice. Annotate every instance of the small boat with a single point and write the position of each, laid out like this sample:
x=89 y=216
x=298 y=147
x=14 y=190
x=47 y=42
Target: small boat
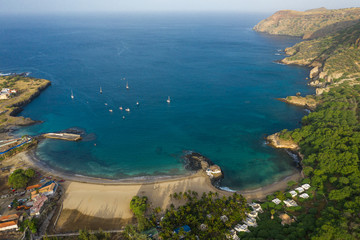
x=72 y=95
x=137 y=103
x=127 y=109
x=168 y=100
x=110 y=110
x=105 y=104
x=123 y=117
x=121 y=108
x=100 y=90
x=127 y=85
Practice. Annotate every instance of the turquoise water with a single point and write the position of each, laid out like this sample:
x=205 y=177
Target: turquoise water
x=221 y=77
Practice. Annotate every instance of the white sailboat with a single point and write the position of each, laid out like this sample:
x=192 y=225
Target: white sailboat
x=127 y=109
x=168 y=100
x=72 y=95
x=127 y=85
x=100 y=90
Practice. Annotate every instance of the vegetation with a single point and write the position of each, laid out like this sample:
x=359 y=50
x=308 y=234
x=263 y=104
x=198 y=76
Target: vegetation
x=208 y=211
x=31 y=224
x=139 y=206
x=329 y=140
x=20 y=178
x=86 y=235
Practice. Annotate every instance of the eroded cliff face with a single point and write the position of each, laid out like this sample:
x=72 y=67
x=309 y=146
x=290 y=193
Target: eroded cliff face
x=309 y=24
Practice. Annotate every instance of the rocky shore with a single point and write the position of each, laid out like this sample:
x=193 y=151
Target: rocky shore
x=275 y=141
x=307 y=102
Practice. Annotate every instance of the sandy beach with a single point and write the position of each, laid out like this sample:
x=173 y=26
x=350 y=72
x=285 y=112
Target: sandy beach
x=90 y=199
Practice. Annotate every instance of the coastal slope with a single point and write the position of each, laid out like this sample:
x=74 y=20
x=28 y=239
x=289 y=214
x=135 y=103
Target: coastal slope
x=334 y=59
x=308 y=24
x=27 y=88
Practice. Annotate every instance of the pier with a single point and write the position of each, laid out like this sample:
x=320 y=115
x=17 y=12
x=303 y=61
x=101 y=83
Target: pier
x=63 y=136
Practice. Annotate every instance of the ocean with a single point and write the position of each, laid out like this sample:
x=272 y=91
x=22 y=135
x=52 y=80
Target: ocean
x=221 y=77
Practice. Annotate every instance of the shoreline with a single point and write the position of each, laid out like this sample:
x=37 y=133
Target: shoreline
x=28 y=159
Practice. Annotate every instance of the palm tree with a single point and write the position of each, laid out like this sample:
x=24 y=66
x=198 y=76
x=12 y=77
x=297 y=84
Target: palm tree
x=272 y=213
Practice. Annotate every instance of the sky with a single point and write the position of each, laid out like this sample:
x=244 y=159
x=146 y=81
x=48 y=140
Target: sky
x=52 y=6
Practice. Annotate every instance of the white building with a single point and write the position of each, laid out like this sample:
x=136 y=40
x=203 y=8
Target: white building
x=241 y=228
x=306 y=186
x=304 y=195
x=276 y=201
x=300 y=189
x=256 y=207
x=251 y=222
x=290 y=203
x=293 y=193
x=252 y=214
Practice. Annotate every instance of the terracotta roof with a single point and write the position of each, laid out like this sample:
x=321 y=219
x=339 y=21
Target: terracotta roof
x=8 y=224
x=9 y=218
x=33 y=186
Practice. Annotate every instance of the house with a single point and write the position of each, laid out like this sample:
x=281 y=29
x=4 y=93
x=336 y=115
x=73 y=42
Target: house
x=47 y=189
x=306 y=186
x=241 y=228
x=9 y=222
x=232 y=235
x=33 y=187
x=6 y=93
x=276 y=201
x=256 y=207
x=38 y=203
x=290 y=203
x=304 y=195
x=252 y=214
x=213 y=170
x=293 y=193
x=300 y=189
x=224 y=218
x=251 y=222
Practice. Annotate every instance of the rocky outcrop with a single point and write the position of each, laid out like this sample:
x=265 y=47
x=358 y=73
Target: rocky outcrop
x=197 y=162
x=314 y=72
x=275 y=141
x=307 y=102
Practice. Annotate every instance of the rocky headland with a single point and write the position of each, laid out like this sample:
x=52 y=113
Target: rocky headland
x=308 y=102
x=276 y=141
x=27 y=88
x=308 y=24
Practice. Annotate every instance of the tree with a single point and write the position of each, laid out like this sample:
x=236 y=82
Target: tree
x=18 y=179
x=30 y=173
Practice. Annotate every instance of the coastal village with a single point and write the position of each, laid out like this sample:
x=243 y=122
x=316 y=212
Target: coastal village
x=320 y=201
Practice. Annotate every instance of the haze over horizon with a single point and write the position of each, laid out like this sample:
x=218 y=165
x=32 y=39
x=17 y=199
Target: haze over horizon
x=64 y=6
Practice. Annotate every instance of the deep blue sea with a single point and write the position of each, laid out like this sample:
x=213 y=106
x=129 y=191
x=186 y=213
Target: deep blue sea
x=220 y=76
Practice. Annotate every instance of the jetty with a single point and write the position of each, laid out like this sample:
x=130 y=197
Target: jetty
x=63 y=136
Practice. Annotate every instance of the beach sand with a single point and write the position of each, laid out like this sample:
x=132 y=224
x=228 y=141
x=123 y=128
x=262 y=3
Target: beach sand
x=105 y=203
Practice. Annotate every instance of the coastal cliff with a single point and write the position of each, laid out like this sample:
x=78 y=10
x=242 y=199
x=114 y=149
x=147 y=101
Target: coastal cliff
x=333 y=59
x=27 y=89
x=309 y=24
